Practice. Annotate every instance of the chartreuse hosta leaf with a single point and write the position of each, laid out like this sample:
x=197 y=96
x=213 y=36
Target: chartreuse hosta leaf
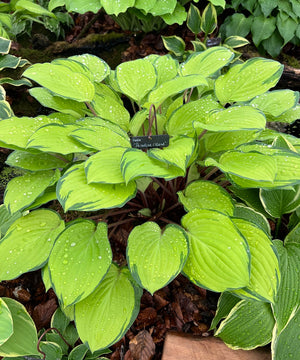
x=265 y=274
x=280 y=201
x=101 y=137
x=6 y=219
x=116 y=7
x=105 y=166
x=207 y=62
x=245 y=81
x=206 y=195
x=225 y=304
x=219 y=257
x=178 y=153
x=173 y=87
x=24 y=339
x=275 y=103
x=21 y=191
x=62 y=81
x=232 y=119
x=79 y=260
x=247 y=166
x=166 y=67
x=6 y=322
x=182 y=119
x=15 y=132
x=136 y=78
x=154 y=257
x=99 y=320
x=30 y=237
x=98 y=67
x=56 y=138
x=74 y=193
x=249 y=325
x=35 y=162
x=136 y=163
x=288 y=296
x=66 y=106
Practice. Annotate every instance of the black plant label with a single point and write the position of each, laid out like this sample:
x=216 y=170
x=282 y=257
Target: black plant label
x=153 y=141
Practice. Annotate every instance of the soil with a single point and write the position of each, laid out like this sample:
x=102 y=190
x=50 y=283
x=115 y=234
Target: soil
x=180 y=306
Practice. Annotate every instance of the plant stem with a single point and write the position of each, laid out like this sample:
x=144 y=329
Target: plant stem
x=213 y=171
x=88 y=25
x=120 y=222
x=91 y=108
x=277 y=228
x=43 y=334
x=167 y=221
x=163 y=186
x=202 y=134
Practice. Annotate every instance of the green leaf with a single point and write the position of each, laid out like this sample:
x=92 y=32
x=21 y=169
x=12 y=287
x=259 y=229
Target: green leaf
x=178 y=153
x=136 y=78
x=5 y=110
x=116 y=7
x=78 y=352
x=74 y=193
x=136 y=163
x=221 y=3
x=267 y=6
x=288 y=295
x=219 y=257
x=273 y=44
x=163 y=7
x=9 y=61
x=82 y=7
x=100 y=321
x=4 y=45
x=262 y=28
x=248 y=325
x=209 y=19
x=235 y=41
x=193 y=20
x=154 y=257
x=145 y=5
x=178 y=16
x=286 y=26
x=62 y=81
x=51 y=349
x=276 y=103
x=18 y=82
x=30 y=237
x=265 y=274
x=6 y=322
x=245 y=81
x=182 y=119
x=35 y=162
x=280 y=201
x=238 y=24
x=105 y=166
x=207 y=62
x=233 y=118
x=203 y=194
x=225 y=304
x=6 y=219
x=24 y=340
x=173 y=87
x=82 y=251
x=166 y=68
x=32 y=8
x=21 y=191
x=56 y=138
x=174 y=44
x=59 y=320
x=15 y=132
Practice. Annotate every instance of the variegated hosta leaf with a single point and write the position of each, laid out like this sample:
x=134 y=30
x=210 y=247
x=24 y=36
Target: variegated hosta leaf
x=178 y=153
x=136 y=163
x=105 y=166
x=219 y=257
x=154 y=257
x=35 y=162
x=74 y=193
x=62 y=81
x=22 y=191
x=6 y=219
x=30 y=237
x=101 y=137
x=15 y=132
x=166 y=67
x=226 y=302
x=182 y=119
x=100 y=321
x=275 y=103
x=136 y=78
x=173 y=87
x=79 y=260
x=206 y=195
x=56 y=138
x=265 y=274
x=6 y=322
x=233 y=118
x=249 y=325
x=24 y=339
x=207 y=62
x=247 y=167
x=245 y=81
x=98 y=67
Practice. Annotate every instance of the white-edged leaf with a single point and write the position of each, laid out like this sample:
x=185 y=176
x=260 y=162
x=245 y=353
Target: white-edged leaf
x=6 y=322
x=154 y=257
x=79 y=260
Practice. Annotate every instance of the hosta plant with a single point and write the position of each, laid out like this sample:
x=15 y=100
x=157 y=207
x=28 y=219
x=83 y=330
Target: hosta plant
x=176 y=177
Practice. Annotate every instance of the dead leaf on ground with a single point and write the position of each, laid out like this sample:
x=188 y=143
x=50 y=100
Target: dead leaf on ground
x=142 y=346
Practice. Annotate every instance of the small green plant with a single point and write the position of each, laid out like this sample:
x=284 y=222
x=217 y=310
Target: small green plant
x=183 y=177
x=272 y=24
x=202 y=26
